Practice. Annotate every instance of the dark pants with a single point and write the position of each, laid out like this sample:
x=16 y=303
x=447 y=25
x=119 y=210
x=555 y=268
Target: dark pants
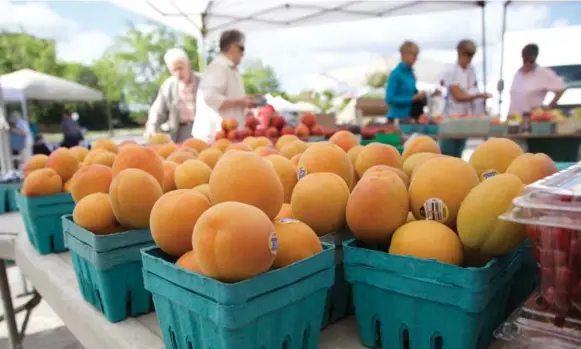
x=453 y=147
x=16 y=153
x=71 y=141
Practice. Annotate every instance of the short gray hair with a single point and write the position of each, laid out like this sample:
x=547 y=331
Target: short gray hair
x=407 y=46
x=175 y=54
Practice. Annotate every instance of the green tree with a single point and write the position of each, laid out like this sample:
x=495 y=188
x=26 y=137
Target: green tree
x=377 y=79
x=23 y=51
x=260 y=79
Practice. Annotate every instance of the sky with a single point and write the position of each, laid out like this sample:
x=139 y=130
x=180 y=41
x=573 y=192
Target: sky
x=83 y=30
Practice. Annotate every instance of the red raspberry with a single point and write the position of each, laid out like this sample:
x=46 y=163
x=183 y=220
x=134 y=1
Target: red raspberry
x=562 y=238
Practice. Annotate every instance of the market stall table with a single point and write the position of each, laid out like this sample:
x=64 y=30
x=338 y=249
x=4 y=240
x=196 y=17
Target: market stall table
x=54 y=278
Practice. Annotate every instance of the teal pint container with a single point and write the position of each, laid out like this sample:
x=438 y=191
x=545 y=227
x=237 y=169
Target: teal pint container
x=109 y=269
x=405 y=302
x=42 y=219
x=282 y=308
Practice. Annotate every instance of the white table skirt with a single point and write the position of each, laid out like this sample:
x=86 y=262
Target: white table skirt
x=54 y=278
x=11 y=226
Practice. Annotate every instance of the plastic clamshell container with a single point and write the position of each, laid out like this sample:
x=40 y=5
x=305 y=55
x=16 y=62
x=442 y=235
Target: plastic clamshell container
x=551 y=209
x=526 y=279
x=542 y=128
x=339 y=302
x=515 y=337
x=42 y=219
x=282 y=308
x=396 y=299
x=109 y=269
x=498 y=130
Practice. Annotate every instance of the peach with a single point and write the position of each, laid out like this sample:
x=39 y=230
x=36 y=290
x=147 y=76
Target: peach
x=184 y=206
x=166 y=150
x=104 y=157
x=291 y=149
x=185 y=149
x=195 y=143
x=221 y=144
x=296 y=241
x=353 y=153
x=416 y=160
x=494 y=156
x=181 y=157
x=320 y=201
x=438 y=188
x=234 y=241
x=140 y=158
x=104 y=143
x=287 y=172
x=42 y=182
x=295 y=159
x=192 y=173
x=67 y=185
x=265 y=151
x=302 y=131
x=344 y=139
x=79 y=152
x=210 y=156
x=248 y=178
x=63 y=162
x=251 y=142
x=94 y=213
x=203 y=189
x=159 y=138
x=188 y=262
x=89 y=180
x=326 y=157
x=377 y=154
x=169 y=182
x=379 y=171
x=530 y=168
x=427 y=240
x=286 y=211
x=238 y=146
x=378 y=205
x=132 y=195
x=263 y=142
x=285 y=139
x=35 y=162
x=421 y=144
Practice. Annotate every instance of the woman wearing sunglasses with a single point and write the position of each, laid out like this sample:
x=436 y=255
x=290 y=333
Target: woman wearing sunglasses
x=531 y=84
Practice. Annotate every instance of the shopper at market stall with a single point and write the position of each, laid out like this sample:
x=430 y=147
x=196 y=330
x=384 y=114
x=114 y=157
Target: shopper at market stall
x=531 y=84
x=401 y=95
x=222 y=86
x=175 y=104
x=464 y=96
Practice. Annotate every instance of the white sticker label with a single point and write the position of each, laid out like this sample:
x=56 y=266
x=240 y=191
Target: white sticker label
x=435 y=210
x=287 y=220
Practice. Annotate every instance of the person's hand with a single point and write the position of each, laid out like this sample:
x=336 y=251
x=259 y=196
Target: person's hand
x=248 y=102
x=419 y=96
x=485 y=95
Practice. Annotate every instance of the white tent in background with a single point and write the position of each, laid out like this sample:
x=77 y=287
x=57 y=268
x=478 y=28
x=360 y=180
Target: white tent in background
x=306 y=107
x=43 y=87
x=427 y=71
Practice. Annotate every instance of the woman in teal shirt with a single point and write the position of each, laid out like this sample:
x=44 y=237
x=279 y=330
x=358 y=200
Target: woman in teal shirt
x=401 y=91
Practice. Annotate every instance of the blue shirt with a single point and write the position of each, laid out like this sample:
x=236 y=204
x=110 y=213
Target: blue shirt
x=400 y=91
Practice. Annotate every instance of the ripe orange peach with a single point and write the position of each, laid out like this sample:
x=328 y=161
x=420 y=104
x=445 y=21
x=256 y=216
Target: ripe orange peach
x=159 y=138
x=184 y=206
x=246 y=177
x=63 y=162
x=379 y=170
x=238 y=146
x=265 y=151
x=192 y=173
x=326 y=157
x=89 y=180
x=179 y=157
x=421 y=144
x=42 y=182
x=132 y=195
x=169 y=183
x=285 y=139
x=286 y=211
x=166 y=150
x=210 y=156
x=103 y=157
x=188 y=262
x=296 y=241
x=79 y=152
x=530 y=168
x=291 y=149
x=94 y=213
x=203 y=189
x=35 y=162
x=344 y=139
x=287 y=173
x=234 y=241
x=105 y=144
x=377 y=154
x=221 y=144
x=140 y=158
x=195 y=143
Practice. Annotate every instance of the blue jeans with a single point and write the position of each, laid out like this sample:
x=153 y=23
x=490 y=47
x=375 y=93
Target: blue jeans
x=453 y=147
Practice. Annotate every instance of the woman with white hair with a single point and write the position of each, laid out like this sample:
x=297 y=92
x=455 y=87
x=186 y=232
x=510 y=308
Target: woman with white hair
x=175 y=104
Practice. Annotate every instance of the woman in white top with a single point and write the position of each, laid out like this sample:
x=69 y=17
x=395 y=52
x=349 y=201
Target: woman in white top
x=463 y=96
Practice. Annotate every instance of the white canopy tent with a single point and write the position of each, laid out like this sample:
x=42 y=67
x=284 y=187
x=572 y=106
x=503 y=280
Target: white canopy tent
x=306 y=107
x=26 y=84
x=205 y=19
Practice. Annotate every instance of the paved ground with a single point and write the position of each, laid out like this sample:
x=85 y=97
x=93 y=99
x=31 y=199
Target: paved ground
x=46 y=330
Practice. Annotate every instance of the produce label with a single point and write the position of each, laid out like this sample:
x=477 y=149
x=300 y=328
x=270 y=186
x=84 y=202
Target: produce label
x=435 y=210
x=273 y=243
x=302 y=172
x=488 y=174
x=287 y=220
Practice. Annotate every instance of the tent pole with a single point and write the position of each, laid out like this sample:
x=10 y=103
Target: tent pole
x=5 y=152
x=202 y=44
x=501 y=80
x=482 y=5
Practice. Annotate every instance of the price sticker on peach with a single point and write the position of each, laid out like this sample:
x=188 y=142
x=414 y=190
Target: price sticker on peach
x=273 y=243
x=488 y=174
x=435 y=209
x=302 y=172
x=287 y=220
